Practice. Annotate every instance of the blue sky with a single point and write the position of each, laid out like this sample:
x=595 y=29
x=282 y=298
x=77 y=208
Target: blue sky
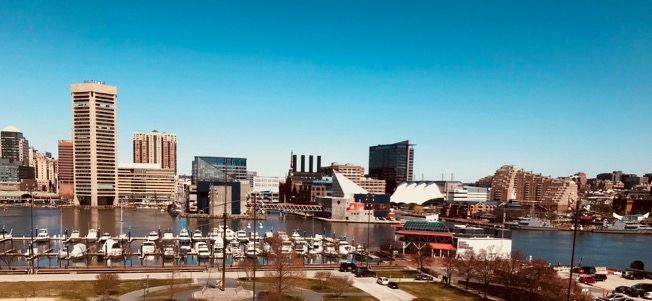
x=554 y=87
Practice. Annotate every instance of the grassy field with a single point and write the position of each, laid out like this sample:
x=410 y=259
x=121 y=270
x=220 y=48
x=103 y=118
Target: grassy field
x=311 y=284
x=79 y=290
x=177 y=289
x=436 y=292
x=398 y=274
x=350 y=298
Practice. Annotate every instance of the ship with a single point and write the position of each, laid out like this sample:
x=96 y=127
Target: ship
x=532 y=223
x=624 y=225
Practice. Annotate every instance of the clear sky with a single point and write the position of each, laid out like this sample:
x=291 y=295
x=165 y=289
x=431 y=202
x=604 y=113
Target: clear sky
x=554 y=87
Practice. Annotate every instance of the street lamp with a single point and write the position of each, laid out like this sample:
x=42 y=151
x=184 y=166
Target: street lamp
x=575 y=219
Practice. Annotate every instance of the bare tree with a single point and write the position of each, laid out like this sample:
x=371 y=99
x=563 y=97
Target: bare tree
x=248 y=265
x=483 y=269
x=464 y=267
x=106 y=283
x=419 y=260
x=508 y=270
x=286 y=268
x=323 y=276
x=340 y=284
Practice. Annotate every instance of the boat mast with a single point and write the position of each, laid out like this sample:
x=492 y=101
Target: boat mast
x=121 y=219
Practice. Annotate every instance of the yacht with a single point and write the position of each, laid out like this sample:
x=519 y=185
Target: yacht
x=168 y=236
x=183 y=235
x=152 y=236
x=168 y=252
x=343 y=247
x=92 y=235
x=296 y=237
x=301 y=247
x=215 y=234
x=197 y=235
x=112 y=248
x=202 y=250
x=104 y=237
x=623 y=227
x=74 y=235
x=148 y=247
x=286 y=247
x=237 y=253
x=184 y=246
x=230 y=234
x=316 y=245
x=251 y=251
x=42 y=235
x=330 y=250
x=242 y=236
x=78 y=251
x=218 y=249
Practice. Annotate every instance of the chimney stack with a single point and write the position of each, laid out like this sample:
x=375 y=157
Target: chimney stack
x=294 y=163
x=318 y=163
x=310 y=164
x=303 y=163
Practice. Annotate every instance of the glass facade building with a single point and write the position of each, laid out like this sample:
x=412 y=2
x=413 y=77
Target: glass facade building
x=212 y=169
x=393 y=163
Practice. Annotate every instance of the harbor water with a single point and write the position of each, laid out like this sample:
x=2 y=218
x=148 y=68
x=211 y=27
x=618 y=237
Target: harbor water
x=599 y=249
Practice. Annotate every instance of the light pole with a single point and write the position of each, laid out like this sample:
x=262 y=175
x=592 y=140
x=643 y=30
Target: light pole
x=369 y=207
x=224 y=233
x=31 y=231
x=255 y=253
x=570 y=277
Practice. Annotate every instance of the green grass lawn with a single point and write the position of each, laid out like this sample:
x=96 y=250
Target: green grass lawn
x=436 y=292
x=397 y=273
x=311 y=284
x=79 y=290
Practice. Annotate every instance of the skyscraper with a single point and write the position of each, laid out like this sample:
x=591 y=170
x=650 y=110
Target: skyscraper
x=94 y=110
x=65 y=177
x=393 y=163
x=14 y=146
x=155 y=147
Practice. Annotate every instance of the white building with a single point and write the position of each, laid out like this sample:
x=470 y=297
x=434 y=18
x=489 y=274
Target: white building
x=491 y=246
x=342 y=205
x=145 y=182
x=266 y=183
x=468 y=194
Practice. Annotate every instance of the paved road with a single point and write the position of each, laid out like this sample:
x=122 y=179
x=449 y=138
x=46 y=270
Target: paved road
x=381 y=292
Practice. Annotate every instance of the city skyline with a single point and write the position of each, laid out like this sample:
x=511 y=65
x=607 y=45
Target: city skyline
x=562 y=95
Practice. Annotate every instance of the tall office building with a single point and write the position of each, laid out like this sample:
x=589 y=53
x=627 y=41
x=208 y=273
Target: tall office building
x=65 y=176
x=156 y=148
x=94 y=110
x=14 y=146
x=45 y=171
x=393 y=163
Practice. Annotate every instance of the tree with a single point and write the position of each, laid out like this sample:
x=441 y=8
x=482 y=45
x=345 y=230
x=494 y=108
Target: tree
x=340 y=284
x=449 y=263
x=464 y=266
x=483 y=269
x=323 y=276
x=419 y=259
x=507 y=271
x=173 y=281
x=248 y=265
x=106 y=283
x=637 y=264
x=286 y=268
x=535 y=275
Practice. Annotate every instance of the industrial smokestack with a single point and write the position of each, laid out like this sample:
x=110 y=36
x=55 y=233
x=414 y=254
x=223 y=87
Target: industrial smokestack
x=310 y=163
x=318 y=163
x=303 y=163
x=294 y=163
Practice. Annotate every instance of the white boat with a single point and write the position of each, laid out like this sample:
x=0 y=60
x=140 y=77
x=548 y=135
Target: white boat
x=218 y=250
x=184 y=246
x=254 y=236
x=78 y=251
x=112 y=248
x=74 y=235
x=284 y=236
x=215 y=234
x=197 y=235
x=269 y=234
x=92 y=235
x=330 y=251
x=148 y=247
x=301 y=247
x=343 y=247
x=42 y=235
x=32 y=253
x=168 y=252
x=183 y=235
x=62 y=254
x=237 y=253
x=242 y=236
x=123 y=237
x=168 y=236
x=251 y=251
x=105 y=236
x=230 y=234
x=296 y=237
x=359 y=249
x=202 y=250
x=316 y=245
x=286 y=247
x=152 y=236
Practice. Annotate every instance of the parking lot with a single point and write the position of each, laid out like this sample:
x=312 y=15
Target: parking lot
x=602 y=288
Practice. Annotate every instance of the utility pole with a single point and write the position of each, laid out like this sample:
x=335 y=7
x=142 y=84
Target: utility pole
x=224 y=233
x=369 y=207
x=31 y=231
x=570 y=277
x=255 y=253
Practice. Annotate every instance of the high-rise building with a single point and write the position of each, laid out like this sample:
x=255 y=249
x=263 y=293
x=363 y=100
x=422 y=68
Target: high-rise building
x=65 y=176
x=393 y=163
x=212 y=169
x=156 y=148
x=94 y=110
x=14 y=146
x=45 y=171
x=514 y=183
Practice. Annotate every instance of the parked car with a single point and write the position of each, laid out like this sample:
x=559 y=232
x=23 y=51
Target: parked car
x=424 y=277
x=615 y=297
x=647 y=295
x=392 y=284
x=584 y=270
x=634 y=274
x=621 y=289
x=639 y=289
x=364 y=272
x=348 y=267
x=600 y=277
x=382 y=280
x=586 y=279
